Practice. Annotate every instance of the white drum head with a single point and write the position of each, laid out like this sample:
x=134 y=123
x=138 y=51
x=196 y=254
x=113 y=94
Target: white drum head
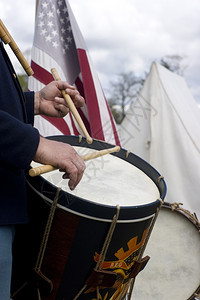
x=109 y=180
x=173 y=271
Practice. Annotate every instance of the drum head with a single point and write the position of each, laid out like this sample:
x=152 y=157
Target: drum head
x=173 y=271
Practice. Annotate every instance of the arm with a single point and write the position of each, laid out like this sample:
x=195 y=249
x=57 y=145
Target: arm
x=49 y=101
x=19 y=142
x=29 y=104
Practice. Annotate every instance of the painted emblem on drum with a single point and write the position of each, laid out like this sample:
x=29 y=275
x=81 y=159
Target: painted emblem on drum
x=122 y=267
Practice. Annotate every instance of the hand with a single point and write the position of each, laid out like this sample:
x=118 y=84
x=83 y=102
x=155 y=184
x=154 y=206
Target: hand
x=50 y=102
x=62 y=156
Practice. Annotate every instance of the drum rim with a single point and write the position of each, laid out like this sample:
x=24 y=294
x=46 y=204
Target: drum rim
x=125 y=213
x=185 y=213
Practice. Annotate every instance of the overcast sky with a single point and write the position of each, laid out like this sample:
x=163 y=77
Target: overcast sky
x=124 y=35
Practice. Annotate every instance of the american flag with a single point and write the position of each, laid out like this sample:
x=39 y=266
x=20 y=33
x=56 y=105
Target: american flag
x=58 y=43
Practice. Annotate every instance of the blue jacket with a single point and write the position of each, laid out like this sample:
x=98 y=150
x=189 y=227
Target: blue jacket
x=18 y=143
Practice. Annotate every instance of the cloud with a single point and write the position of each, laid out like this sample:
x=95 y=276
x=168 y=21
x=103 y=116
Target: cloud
x=124 y=35
x=129 y=35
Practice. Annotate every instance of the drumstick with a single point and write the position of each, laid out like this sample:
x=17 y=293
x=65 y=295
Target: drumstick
x=48 y=168
x=7 y=38
x=4 y=36
x=72 y=108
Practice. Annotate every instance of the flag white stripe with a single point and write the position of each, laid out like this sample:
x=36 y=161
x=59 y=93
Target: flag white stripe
x=45 y=127
x=47 y=62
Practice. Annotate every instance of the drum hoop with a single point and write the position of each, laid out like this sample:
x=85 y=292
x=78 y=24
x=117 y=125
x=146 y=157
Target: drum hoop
x=194 y=221
x=186 y=213
x=87 y=216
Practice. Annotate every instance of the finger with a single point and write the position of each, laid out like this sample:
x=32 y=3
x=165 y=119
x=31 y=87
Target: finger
x=76 y=97
x=62 y=110
x=61 y=105
x=65 y=176
x=73 y=175
x=60 y=101
x=74 y=172
x=71 y=172
x=62 y=85
x=81 y=168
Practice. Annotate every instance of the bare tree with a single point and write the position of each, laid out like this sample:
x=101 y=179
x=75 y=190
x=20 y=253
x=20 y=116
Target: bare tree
x=123 y=92
x=125 y=88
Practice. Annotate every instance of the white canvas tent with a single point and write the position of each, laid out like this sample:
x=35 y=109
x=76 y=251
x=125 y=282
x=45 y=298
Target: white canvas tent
x=163 y=127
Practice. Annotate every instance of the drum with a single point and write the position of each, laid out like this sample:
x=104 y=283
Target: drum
x=92 y=241
x=174 y=269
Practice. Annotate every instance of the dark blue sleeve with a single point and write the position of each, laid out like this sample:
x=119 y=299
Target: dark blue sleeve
x=18 y=139
x=19 y=142
x=29 y=104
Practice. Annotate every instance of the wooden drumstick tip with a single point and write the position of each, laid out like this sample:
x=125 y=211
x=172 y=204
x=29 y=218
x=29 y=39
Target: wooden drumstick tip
x=117 y=148
x=89 y=140
x=55 y=74
x=29 y=71
x=34 y=172
x=41 y=170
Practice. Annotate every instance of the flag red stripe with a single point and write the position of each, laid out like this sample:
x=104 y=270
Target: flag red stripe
x=91 y=97
x=85 y=121
x=80 y=88
x=73 y=125
x=117 y=141
x=60 y=124
x=41 y=74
